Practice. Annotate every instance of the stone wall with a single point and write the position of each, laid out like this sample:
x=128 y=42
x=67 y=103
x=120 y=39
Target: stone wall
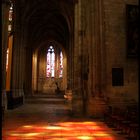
x=116 y=45
x=100 y=39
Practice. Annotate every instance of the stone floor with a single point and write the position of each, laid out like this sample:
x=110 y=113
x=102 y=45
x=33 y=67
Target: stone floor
x=43 y=121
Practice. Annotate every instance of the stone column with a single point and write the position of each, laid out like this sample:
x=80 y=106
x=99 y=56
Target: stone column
x=98 y=48
x=22 y=57
x=5 y=12
x=28 y=70
x=102 y=51
x=77 y=102
x=15 y=78
x=95 y=105
x=15 y=95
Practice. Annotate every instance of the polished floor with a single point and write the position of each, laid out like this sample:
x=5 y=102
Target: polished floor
x=52 y=121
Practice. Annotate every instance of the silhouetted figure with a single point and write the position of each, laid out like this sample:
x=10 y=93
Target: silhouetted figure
x=57 y=88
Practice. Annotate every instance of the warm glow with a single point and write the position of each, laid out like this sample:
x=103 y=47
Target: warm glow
x=100 y=134
x=15 y=134
x=7 y=57
x=26 y=135
x=31 y=134
x=28 y=126
x=67 y=128
x=93 y=128
x=66 y=124
x=64 y=131
x=9 y=62
x=53 y=127
x=90 y=123
x=85 y=138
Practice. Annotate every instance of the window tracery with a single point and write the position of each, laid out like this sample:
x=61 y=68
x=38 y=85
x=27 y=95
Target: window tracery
x=54 y=63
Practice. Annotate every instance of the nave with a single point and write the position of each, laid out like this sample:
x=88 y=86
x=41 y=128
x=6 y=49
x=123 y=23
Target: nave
x=49 y=118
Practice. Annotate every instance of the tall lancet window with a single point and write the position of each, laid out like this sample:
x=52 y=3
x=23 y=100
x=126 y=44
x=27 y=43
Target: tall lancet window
x=10 y=22
x=10 y=18
x=50 y=62
x=61 y=65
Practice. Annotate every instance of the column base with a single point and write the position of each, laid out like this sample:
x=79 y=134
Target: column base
x=14 y=101
x=96 y=108
x=4 y=100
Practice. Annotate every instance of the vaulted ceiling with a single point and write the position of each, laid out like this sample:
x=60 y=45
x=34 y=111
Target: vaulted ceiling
x=47 y=19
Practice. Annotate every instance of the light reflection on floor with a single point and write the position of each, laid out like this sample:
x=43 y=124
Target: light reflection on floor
x=63 y=131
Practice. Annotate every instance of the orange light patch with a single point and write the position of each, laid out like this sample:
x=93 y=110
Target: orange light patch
x=53 y=127
x=100 y=134
x=85 y=138
x=62 y=131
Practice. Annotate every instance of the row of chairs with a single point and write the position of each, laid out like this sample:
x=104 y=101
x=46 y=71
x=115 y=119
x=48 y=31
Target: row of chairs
x=123 y=120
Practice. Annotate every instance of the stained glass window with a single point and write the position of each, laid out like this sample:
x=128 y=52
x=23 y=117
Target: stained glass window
x=10 y=18
x=61 y=65
x=50 y=62
x=7 y=55
x=52 y=65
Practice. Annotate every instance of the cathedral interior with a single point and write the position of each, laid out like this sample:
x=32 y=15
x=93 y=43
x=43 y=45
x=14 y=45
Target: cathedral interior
x=70 y=70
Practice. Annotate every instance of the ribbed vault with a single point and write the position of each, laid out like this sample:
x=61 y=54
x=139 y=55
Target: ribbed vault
x=49 y=19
